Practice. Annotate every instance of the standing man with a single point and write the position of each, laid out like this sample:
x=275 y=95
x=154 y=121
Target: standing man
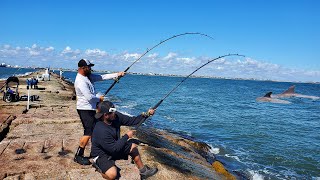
x=61 y=72
x=86 y=103
x=108 y=146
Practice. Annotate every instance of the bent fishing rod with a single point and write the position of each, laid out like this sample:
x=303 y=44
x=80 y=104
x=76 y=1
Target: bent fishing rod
x=158 y=104
x=148 y=50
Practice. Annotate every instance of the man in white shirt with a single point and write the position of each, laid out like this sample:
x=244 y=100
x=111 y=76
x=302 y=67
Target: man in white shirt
x=87 y=102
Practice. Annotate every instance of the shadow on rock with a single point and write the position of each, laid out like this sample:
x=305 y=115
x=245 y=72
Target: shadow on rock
x=185 y=156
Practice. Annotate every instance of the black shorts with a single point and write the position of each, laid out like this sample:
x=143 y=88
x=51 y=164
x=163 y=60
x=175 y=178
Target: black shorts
x=106 y=162
x=124 y=152
x=88 y=120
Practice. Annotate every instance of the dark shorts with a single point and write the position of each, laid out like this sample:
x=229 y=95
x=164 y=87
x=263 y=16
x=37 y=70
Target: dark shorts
x=106 y=162
x=88 y=121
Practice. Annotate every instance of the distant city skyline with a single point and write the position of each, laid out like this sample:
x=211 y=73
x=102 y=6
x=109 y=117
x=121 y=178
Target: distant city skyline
x=279 y=38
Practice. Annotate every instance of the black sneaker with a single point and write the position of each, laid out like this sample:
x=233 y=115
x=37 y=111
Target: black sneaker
x=148 y=172
x=82 y=160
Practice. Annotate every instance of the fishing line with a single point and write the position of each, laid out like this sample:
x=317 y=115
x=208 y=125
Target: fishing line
x=148 y=50
x=167 y=95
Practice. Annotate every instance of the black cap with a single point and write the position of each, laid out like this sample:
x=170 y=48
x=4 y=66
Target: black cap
x=84 y=62
x=104 y=107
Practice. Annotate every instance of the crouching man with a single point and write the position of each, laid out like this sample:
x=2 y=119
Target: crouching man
x=108 y=146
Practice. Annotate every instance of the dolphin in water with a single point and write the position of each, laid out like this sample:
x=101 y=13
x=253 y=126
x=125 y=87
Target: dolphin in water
x=268 y=98
x=290 y=92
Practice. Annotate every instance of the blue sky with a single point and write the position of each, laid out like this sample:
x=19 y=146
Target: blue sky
x=280 y=38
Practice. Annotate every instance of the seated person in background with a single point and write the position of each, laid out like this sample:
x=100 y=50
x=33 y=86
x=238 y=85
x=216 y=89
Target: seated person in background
x=10 y=91
x=108 y=146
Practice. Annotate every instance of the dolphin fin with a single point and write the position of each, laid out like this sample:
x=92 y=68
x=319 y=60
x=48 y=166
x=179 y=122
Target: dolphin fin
x=268 y=95
x=290 y=90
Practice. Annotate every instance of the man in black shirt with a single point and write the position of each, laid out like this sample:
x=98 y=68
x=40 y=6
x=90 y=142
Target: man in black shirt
x=107 y=146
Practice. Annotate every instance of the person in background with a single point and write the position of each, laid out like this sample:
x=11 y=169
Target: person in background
x=34 y=83
x=28 y=83
x=108 y=146
x=87 y=101
x=60 y=73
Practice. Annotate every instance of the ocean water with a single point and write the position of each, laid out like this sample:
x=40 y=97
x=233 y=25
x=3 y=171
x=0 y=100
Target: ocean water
x=253 y=139
x=7 y=72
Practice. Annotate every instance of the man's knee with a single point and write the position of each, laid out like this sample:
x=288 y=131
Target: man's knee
x=133 y=146
x=134 y=150
x=110 y=173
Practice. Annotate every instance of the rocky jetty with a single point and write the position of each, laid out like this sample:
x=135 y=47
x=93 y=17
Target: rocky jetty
x=39 y=143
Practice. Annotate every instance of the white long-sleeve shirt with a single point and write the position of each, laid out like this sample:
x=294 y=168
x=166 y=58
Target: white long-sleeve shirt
x=86 y=94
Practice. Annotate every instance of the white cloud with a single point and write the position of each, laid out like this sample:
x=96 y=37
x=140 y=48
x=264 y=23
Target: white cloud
x=131 y=56
x=220 y=61
x=8 y=51
x=95 y=53
x=66 y=50
x=186 y=60
x=153 y=56
x=171 y=55
x=68 y=53
x=219 y=68
x=34 y=53
x=74 y=57
x=172 y=63
x=50 y=48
